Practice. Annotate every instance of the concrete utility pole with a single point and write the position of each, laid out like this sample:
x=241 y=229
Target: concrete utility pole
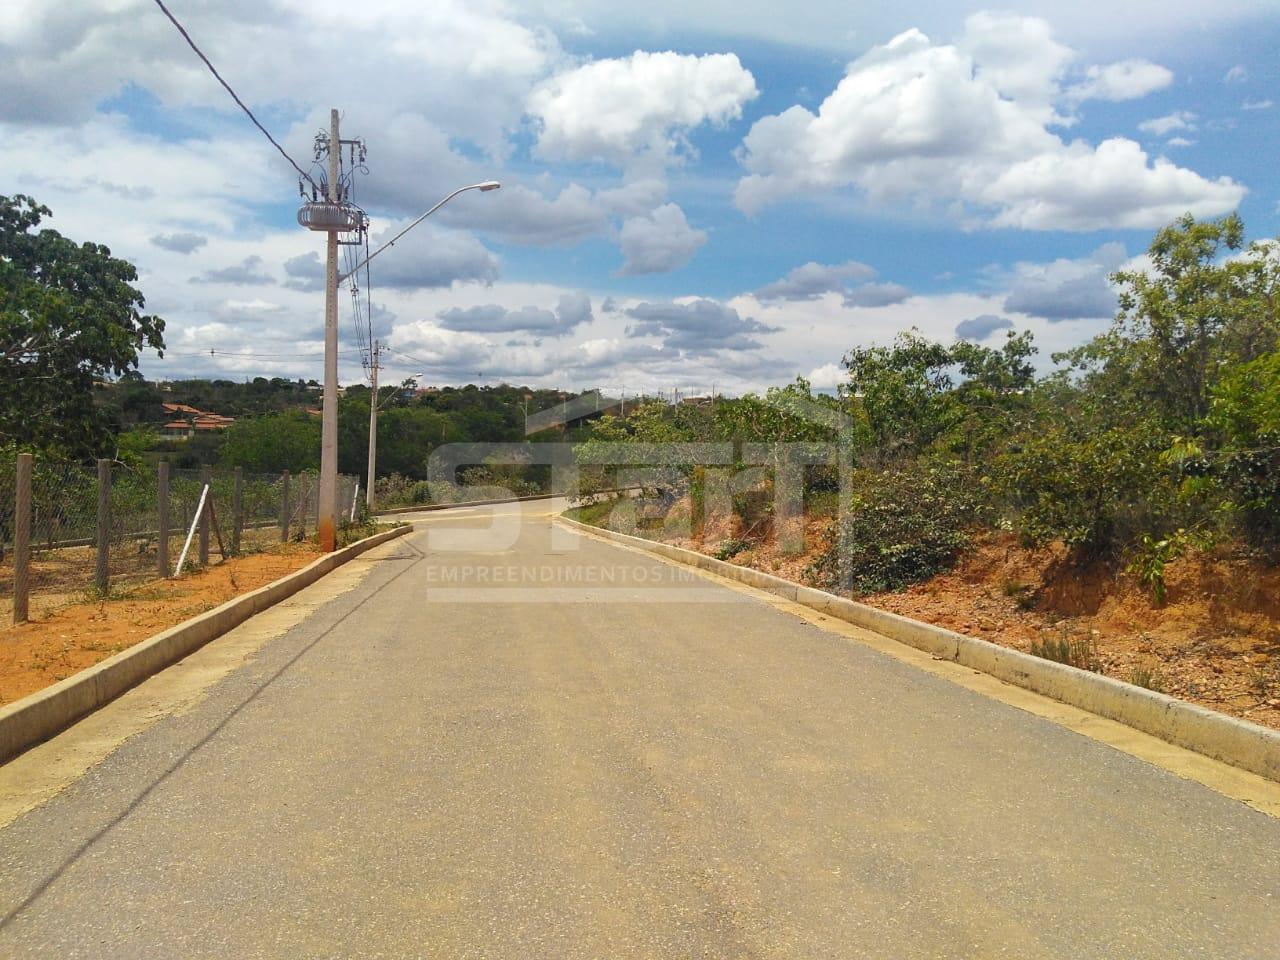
x=373 y=424
x=327 y=520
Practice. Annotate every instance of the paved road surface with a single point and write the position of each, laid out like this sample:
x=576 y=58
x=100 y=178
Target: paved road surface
x=565 y=749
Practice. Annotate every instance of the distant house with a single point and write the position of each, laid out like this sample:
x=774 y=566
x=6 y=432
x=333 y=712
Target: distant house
x=185 y=421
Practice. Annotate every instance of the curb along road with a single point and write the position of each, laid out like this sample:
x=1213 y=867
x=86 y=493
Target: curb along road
x=35 y=718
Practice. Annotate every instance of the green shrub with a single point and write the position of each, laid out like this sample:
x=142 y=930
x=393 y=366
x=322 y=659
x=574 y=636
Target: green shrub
x=731 y=548
x=1245 y=414
x=1093 y=492
x=1152 y=555
x=903 y=527
x=420 y=492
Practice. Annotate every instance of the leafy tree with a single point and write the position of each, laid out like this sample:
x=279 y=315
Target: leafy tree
x=897 y=392
x=273 y=443
x=69 y=315
x=917 y=393
x=1208 y=302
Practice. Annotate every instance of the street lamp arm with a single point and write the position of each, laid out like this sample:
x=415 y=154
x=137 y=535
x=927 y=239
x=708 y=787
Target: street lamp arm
x=486 y=186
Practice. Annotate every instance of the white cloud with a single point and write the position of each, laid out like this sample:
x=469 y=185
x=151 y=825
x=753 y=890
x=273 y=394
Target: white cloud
x=839 y=26
x=248 y=272
x=1016 y=55
x=1114 y=185
x=827 y=377
x=980 y=327
x=932 y=124
x=183 y=242
x=876 y=295
x=1066 y=289
x=1237 y=74
x=1257 y=104
x=572 y=310
x=521 y=214
x=1179 y=142
x=639 y=106
x=658 y=242
x=812 y=280
x=696 y=326
x=428 y=256
x=1163 y=126
x=1126 y=80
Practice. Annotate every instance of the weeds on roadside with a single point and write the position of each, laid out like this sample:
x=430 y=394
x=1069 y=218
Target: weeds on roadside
x=1146 y=677
x=1265 y=681
x=1022 y=594
x=1080 y=652
x=731 y=548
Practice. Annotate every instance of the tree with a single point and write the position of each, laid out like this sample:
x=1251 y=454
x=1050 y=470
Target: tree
x=69 y=315
x=918 y=392
x=1206 y=303
x=275 y=442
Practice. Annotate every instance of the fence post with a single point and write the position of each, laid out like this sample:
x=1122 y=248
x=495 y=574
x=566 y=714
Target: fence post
x=302 y=500
x=102 y=572
x=284 y=507
x=22 y=539
x=206 y=478
x=162 y=518
x=237 y=512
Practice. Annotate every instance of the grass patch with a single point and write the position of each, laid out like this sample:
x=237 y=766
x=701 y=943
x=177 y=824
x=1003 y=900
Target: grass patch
x=595 y=514
x=1147 y=678
x=1074 y=653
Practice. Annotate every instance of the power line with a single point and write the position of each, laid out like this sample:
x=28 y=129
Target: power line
x=212 y=352
x=249 y=113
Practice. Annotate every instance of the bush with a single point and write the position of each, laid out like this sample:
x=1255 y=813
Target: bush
x=903 y=527
x=394 y=491
x=1245 y=414
x=1096 y=493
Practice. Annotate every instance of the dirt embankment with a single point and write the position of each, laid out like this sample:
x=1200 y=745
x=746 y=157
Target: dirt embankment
x=1215 y=641
x=78 y=635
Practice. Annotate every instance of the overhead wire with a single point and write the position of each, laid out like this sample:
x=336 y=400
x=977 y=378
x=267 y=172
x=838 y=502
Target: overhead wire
x=234 y=96
x=213 y=352
x=362 y=310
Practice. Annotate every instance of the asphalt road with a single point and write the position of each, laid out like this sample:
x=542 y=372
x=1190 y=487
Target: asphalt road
x=538 y=747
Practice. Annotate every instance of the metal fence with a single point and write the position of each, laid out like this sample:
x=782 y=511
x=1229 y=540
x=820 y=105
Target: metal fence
x=69 y=531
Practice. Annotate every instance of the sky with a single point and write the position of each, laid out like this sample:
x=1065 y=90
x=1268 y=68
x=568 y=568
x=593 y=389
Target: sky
x=696 y=195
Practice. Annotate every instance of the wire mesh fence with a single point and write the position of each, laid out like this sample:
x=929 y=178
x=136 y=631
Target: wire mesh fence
x=98 y=529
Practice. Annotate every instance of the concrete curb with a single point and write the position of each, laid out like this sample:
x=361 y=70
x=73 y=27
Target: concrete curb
x=35 y=718
x=1237 y=742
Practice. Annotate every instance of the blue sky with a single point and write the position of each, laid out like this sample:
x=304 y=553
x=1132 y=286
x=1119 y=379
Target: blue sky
x=931 y=166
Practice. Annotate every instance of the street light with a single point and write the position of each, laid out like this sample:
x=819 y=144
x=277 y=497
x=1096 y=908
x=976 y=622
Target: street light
x=484 y=187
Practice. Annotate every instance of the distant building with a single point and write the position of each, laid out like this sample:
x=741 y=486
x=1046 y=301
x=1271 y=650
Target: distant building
x=185 y=421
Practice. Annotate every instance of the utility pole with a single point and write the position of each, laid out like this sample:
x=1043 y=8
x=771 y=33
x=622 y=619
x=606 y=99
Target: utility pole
x=373 y=423
x=327 y=521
